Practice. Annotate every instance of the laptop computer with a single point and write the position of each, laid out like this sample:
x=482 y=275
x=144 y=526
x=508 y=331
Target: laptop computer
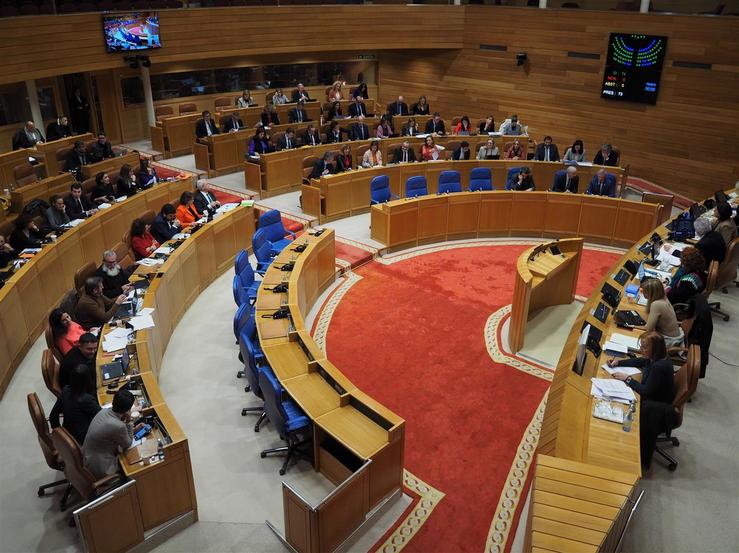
x=116 y=369
x=629 y=318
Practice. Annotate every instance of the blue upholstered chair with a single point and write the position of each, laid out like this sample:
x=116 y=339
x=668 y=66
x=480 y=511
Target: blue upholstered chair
x=511 y=177
x=290 y=422
x=254 y=361
x=249 y=282
x=481 y=178
x=449 y=181
x=241 y=260
x=380 y=190
x=260 y=237
x=242 y=314
x=271 y=223
x=264 y=255
x=241 y=296
x=416 y=186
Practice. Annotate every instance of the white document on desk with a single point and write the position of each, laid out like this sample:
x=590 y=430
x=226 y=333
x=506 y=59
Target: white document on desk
x=166 y=250
x=609 y=388
x=114 y=343
x=150 y=262
x=141 y=322
x=628 y=371
x=624 y=339
x=615 y=347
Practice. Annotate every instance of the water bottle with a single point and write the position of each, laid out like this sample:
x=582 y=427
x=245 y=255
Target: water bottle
x=160 y=450
x=629 y=417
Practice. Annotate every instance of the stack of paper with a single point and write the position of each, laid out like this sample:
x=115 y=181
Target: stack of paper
x=630 y=371
x=150 y=262
x=667 y=258
x=611 y=389
x=140 y=322
x=621 y=343
x=226 y=208
x=116 y=339
x=166 y=250
x=181 y=236
x=104 y=205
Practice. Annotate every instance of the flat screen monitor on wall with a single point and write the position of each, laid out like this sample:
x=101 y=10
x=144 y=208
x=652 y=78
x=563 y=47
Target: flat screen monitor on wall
x=633 y=67
x=128 y=32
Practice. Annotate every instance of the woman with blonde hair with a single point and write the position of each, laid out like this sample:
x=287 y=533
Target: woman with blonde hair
x=662 y=316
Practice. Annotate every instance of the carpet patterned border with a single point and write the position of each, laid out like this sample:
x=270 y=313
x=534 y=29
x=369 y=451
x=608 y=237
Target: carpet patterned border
x=323 y=320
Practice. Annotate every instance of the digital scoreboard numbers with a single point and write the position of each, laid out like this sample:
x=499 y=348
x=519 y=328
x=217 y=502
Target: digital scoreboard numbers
x=633 y=67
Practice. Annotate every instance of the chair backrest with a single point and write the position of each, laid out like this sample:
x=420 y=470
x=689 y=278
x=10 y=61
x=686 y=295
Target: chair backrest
x=727 y=270
x=240 y=261
x=242 y=313
x=247 y=275
x=308 y=163
x=380 y=188
x=694 y=368
x=148 y=216
x=221 y=103
x=241 y=297
x=69 y=303
x=74 y=467
x=712 y=279
x=257 y=239
x=247 y=339
x=416 y=186
x=125 y=254
x=188 y=108
x=272 y=395
x=452 y=146
x=264 y=252
x=50 y=344
x=24 y=174
x=665 y=200
x=50 y=372
x=449 y=181
x=163 y=111
x=512 y=174
x=680 y=385
x=481 y=178
x=271 y=223
x=43 y=432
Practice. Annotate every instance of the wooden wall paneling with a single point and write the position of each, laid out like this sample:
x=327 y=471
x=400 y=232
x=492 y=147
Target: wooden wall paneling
x=598 y=218
x=14 y=332
x=495 y=214
x=34 y=312
x=109 y=96
x=464 y=214
x=528 y=210
x=563 y=214
x=433 y=212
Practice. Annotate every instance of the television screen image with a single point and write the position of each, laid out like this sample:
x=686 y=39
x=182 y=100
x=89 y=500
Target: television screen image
x=131 y=32
x=633 y=67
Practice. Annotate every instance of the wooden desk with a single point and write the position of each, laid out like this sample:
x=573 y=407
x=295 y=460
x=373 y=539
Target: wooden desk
x=39 y=285
x=357 y=443
x=44 y=189
x=542 y=279
x=409 y=222
x=48 y=150
x=111 y=165
x=8 y=162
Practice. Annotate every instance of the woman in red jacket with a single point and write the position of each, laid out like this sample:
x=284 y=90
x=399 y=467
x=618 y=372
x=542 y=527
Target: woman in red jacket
x=142 y=241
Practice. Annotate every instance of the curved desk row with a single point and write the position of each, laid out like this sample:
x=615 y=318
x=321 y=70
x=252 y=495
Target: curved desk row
x=39 y=285
x=409 y=222
x=159 y=498
x=357 y=443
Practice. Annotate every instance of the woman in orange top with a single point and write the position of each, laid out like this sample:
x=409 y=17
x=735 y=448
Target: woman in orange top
x=65 y=331
x=187 y=214
x=429 y=150
x=142 y=242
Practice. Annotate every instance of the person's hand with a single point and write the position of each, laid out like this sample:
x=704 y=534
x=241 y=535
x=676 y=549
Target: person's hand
x=138 y=427
x=620 y=376
x=126 y=288
x=120 y=299
x=611 y=362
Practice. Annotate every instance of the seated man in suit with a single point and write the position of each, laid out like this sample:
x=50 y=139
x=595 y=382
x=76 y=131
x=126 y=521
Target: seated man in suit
x=288 y=141
x=566 y=181
x=398 y=107
x=463 y=152
x=27 y=137
x=59 y=128
x=546 y=151
x=511 y=127
x=301 y=94
x=323 y=166
x=101 y=149
x=606 y=156
x=358 y=107
x=165 y=225
x=335 y=133
x=76 y=158
x=522 y=181
x=404 y=154
x=113 y=277
x=232 y=123
x=78 y=206
x=56 y=215
x=206 y=126
x=435 y=125
x=204 y=198
x=298 y=114
x=360 y=131
x=95 y=308
x=311 y=136
x=602 y=184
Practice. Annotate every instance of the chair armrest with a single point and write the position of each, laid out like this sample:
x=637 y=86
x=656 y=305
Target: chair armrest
x=291 y=233
x=107 y=483
x=394 y=196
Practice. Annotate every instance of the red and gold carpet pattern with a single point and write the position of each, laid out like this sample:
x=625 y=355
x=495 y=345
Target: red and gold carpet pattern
x=411 y=334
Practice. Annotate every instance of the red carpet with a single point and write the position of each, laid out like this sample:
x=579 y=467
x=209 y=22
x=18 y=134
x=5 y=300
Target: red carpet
x=352 y=255
x=411 y=336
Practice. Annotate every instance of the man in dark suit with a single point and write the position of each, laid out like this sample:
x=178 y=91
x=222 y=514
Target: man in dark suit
x=82 y=354
x=335 y=133
x=602 y=184
x=546 y=151
x=311 y=136
x=27 y=137
x=301 y=94
x=206 y=126
x=606 y=156
x=101 y=149
x=463 y=152
x=76 y=158
x=204 y=198
x=323 y=166
x=232 y=123
x=360 y=131
x=298 y=114
x=165 y=225
x=521 y=180
x=404 y=154
x=79 y=109
x=114 y=277
x=357 y=107
x=435 y=125
x=398 y=107
x=78 y=206
x=288 y=141
x=566 y=181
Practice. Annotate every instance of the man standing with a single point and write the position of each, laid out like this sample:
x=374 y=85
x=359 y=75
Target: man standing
x=80 y=110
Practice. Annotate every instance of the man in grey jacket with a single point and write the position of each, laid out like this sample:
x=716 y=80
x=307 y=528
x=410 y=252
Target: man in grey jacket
x=110 y=432
x=56 y=215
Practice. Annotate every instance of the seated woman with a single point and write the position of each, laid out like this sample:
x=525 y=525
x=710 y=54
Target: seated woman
x=76 y=404
x=186 y=212
x=576 y=152
x=26 y=234
x=279 y=98
x=245 y=100
x=690 y=277
x=334 y=95
x=7 y=252
x=269 y=116
x=516 y=151
x=259 y=144
x=344 y=159
x=384 y=130
x=142 y=241
x=103 y=191
x=410 y=128
x=726 y=227
x=335 y=110
x=488 y=125
x=662 y=316
x=421 y=107
x=463 y=127
x=430 y=151
x=335 y=133
x=126 y=184
x=147 y=175
x=361 y=90
x=488 y=150
x=372 y=157
x=657 y=373
x=65 y=331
